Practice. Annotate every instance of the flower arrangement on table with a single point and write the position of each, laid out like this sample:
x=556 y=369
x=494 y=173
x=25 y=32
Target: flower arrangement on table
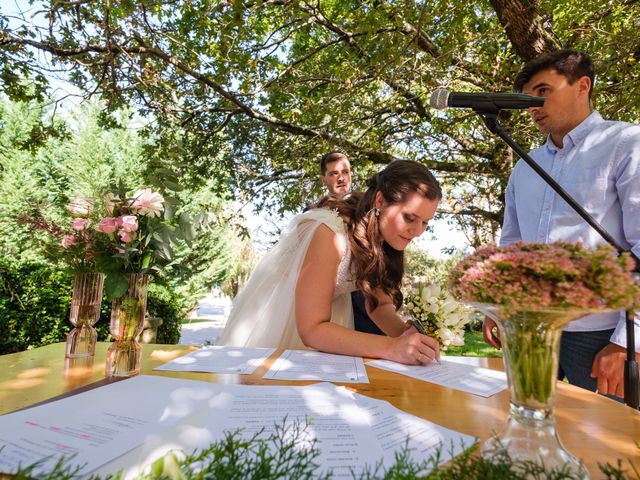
x=531 y=290
x=139 y=236
x=116 y=233
x=538 y=276
x=439 y=314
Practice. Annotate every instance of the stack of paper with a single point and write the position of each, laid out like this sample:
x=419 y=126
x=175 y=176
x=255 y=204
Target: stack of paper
x=130 y=423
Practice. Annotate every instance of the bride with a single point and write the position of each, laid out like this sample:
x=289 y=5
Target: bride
x=299 y=294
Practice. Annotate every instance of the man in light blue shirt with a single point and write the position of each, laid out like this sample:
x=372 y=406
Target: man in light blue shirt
x=598 y=163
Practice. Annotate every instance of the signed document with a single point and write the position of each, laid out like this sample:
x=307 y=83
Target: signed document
x=449 y=373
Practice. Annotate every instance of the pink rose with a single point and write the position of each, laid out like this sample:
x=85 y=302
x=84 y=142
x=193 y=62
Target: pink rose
x=68 y=240
x=125 y=236
x=107 y=225
x=148 y=203
x=80 y=223
x=128 y=223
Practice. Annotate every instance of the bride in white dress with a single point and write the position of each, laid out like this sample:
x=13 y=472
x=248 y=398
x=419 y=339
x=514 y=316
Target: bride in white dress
x=299 y=294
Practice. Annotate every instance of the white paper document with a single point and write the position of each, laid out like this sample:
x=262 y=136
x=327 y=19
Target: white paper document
x=479 y=381
x=395 y=429
x=312 y=365
x=127 y=425
x=217 y=359
x=98 y=425
x=332 y=418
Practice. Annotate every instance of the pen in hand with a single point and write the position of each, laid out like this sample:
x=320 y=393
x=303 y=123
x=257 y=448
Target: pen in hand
x=421 y=330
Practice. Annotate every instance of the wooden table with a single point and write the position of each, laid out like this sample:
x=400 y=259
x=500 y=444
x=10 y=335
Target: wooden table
x=592 y=427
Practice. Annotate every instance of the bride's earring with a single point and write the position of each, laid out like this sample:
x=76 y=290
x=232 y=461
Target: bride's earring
x=377 y=212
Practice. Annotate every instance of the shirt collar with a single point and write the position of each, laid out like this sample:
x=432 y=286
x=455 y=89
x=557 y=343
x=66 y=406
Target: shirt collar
x=578 y=134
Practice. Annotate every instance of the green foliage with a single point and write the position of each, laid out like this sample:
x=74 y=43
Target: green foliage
x=35 y=300
x=474 y=346
x=278 y=455
x=419 y=266
x=34 y=306
x=87 y=161
x=252 y=93
x=163 y=302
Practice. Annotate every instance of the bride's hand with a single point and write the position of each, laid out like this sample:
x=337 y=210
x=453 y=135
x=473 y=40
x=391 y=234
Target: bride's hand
x=413 y=348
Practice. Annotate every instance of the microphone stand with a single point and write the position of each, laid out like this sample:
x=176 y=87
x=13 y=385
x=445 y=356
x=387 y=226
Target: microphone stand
x=489 y=114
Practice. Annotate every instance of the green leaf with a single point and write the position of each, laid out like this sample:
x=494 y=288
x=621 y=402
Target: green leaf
x=115 y=284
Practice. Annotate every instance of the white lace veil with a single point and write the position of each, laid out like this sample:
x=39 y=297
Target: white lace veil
x=263 y=312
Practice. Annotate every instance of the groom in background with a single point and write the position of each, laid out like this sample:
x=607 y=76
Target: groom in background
x=335 y=175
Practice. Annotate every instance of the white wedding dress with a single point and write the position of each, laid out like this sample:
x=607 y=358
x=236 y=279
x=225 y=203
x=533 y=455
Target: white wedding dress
x=263 y=313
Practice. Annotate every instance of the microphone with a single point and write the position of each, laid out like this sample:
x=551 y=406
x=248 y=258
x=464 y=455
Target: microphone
x=484 y=101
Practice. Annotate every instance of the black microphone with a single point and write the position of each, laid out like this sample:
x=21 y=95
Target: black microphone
x=484 y=101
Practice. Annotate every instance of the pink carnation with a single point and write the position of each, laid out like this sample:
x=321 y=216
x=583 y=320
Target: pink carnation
x=107 y=225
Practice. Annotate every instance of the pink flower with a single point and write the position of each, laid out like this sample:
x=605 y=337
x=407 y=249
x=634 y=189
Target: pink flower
x=80 y=223
x=107 y=225
x=128 y=223
x=68 y=240
x=80 y=206
x=148 y=203
x=125 y=236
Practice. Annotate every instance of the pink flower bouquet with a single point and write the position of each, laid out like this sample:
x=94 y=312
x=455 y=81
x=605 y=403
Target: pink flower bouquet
x=536 y=276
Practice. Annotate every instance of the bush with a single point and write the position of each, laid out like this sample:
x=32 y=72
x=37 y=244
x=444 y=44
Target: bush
x=35 y=300
x=34 y=305
x=164 y=303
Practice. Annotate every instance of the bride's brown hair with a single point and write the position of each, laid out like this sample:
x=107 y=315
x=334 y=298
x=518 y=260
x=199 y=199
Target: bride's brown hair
x=375 y=263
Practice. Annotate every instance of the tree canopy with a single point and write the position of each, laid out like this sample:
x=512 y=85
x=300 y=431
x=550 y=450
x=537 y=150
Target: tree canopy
x=251 y=93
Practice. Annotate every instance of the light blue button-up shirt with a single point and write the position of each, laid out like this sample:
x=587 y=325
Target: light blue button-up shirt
x=599 y=166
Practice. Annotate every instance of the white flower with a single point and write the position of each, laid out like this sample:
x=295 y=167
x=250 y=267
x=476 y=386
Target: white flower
x=148 y=203
x=452 y=319
x=80 y=206
x=449 y=305
x=457 y=339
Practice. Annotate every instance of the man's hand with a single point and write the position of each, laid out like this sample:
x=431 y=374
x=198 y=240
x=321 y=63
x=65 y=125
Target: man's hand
x=608 y=368
x=490 y=333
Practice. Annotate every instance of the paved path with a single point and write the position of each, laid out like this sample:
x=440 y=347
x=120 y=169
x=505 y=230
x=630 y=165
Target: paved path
x=207 y=323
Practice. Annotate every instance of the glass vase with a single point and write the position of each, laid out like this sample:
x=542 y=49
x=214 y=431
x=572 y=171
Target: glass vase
x=531 y=345
x=86 y=300
x=127 y=321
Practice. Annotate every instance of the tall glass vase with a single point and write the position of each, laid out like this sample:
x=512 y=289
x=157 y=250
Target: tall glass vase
x=531 y=344
x=127 y=321
x=86 y=300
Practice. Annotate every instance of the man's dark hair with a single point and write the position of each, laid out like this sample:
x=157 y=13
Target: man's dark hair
x=330 y=158
x=569 y=63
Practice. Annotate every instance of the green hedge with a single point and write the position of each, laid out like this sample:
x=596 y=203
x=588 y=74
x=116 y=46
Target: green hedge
x=35 y=299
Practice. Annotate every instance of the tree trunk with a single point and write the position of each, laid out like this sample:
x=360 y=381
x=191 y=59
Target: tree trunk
x=524 y=27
